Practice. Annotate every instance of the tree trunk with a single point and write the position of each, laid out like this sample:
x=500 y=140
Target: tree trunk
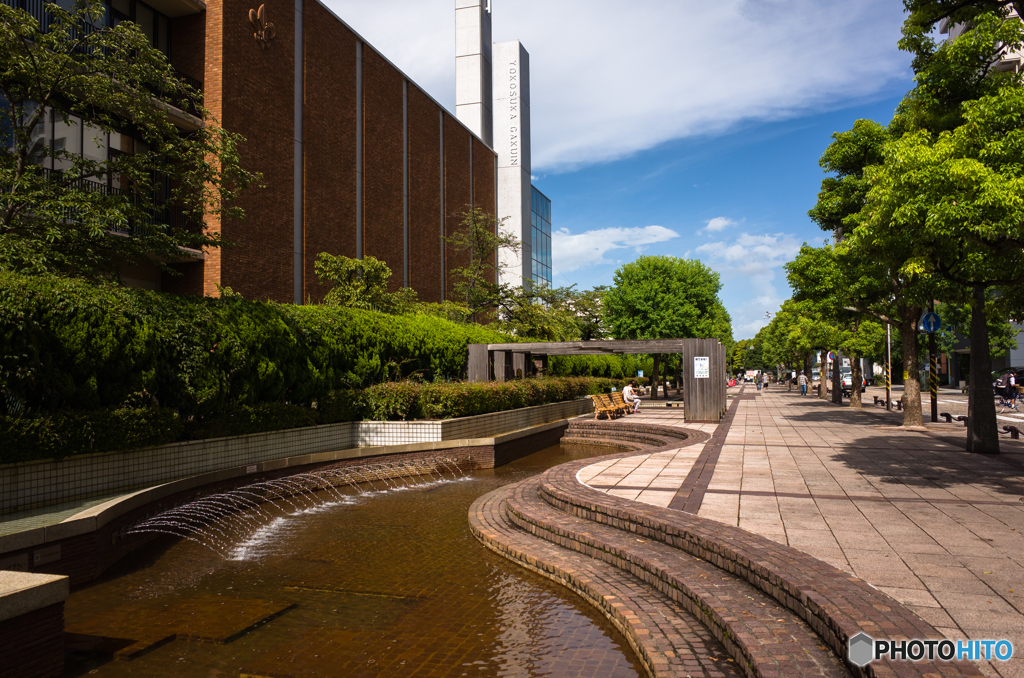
x=855 y=399
x=837 y=379
x=823 y=393
x=912 y=415
x=983 y=433
x=654 y=377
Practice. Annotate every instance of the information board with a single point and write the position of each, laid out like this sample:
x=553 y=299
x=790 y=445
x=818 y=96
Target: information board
x=701 y=367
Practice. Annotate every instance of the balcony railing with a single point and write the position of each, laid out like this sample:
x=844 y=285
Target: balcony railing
x=167 y=215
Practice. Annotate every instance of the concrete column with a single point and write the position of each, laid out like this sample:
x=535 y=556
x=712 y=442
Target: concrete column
x=473 y=66
x=512 y=144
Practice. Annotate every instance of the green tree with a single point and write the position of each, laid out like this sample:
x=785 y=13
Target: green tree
x=481 y=237
x=67 y=212
x=958 y=198
x=662 y=297
x=362 y=283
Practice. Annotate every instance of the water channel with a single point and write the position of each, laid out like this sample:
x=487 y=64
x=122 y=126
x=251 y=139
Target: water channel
x=387 y=582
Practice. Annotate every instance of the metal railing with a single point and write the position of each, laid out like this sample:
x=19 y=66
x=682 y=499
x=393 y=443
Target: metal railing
x=160 y=217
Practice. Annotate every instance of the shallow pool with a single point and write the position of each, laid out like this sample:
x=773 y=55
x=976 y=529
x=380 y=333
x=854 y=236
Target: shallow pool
x=385 y=583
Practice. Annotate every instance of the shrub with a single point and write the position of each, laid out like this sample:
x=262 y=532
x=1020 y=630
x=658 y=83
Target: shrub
x=54 y=435
x=70 y=344
x=238 y=420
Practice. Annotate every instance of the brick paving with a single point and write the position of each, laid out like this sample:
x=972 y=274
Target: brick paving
x=910 y=512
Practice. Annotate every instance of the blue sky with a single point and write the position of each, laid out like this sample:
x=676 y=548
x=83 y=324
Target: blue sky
x=685 y=128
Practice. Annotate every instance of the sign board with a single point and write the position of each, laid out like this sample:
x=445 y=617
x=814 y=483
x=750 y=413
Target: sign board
x=640 y=373
x=701 y=367
x=931 y=322
x=831 y=355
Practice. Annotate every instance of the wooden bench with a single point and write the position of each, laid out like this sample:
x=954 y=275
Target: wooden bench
x=603 y=404
x=617 y=400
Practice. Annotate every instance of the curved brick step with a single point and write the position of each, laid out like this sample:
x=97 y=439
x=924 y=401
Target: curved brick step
x=835 y=604
x=581 y=427
x=668 y=642
x=760 y=635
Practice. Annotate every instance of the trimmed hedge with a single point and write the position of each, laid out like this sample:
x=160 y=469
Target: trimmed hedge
x=54 y=435
x=70 y=344
x=608 y=366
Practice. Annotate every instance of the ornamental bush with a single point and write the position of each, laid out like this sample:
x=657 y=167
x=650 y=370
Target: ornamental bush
x=67 y=344
x=54 y=435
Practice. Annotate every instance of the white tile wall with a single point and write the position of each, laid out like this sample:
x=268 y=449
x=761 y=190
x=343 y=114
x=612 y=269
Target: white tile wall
x=32 y=484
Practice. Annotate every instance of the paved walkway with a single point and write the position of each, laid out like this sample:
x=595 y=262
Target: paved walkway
x=911 y=512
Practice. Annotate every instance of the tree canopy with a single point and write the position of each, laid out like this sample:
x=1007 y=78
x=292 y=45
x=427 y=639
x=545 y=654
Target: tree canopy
x=66 y=206
x=659 y=297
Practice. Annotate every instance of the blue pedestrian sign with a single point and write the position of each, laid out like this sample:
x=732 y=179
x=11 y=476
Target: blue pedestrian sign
x=931 y=322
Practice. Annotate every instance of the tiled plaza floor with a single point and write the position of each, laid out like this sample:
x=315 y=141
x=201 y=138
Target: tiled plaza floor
x=911 y=512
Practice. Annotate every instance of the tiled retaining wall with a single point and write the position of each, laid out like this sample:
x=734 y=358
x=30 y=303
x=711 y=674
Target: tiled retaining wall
x=84 y=546
x=49 y=482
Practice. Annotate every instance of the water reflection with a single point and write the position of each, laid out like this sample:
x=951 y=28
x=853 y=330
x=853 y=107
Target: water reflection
x=376 y=583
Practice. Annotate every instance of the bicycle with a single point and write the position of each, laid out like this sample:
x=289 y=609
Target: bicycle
x=1004 y=403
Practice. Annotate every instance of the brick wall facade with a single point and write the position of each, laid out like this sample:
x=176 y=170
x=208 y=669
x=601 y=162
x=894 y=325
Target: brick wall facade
x=329 y=142
x=251 y=92
x=458 y=192
x=425 y=227
x=383 y=183
x=32 y=644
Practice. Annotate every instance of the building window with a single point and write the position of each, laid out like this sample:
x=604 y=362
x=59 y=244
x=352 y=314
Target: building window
x=540 y=236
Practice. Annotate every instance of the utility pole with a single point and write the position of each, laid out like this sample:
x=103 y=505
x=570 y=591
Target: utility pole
x=888 y=367
x=933 y=371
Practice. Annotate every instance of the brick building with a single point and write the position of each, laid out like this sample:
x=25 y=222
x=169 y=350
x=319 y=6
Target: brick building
x=356 y=158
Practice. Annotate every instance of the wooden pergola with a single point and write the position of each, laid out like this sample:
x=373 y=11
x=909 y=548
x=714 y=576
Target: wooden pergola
x=704 y=365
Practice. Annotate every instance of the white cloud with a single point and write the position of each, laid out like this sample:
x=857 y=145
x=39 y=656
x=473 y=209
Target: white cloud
x=718 y=224
x=750 y=264
x=570 y=252
x=752 y=255
x=609 y=78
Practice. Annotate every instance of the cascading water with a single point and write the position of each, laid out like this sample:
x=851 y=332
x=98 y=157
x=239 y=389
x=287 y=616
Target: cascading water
x=230 y=523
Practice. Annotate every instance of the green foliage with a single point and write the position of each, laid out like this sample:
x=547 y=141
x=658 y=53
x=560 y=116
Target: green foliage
x=544 y=313
x=53 y=435
x=68 y=344
x=107 y=77
x=480 y=237
x=609 y=366
x=361 y=283
x=748 y=354
x=662 y=297
x=409 y=400
x=238 y=420
x=952 y=72
x=956 y=323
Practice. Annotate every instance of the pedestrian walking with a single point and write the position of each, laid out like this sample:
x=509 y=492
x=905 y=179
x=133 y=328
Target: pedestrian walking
x=765 y=380
x=757 y=382
x=802 y=380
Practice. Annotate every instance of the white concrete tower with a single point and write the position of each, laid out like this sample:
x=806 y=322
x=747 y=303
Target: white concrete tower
x=473 y=66
x=512 y=144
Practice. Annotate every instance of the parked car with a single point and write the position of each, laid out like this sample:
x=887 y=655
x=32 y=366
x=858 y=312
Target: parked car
x=848 y=384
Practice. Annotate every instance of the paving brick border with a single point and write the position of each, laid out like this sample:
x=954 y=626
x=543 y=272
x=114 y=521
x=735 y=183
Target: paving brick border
x=761 y=637
x=833 y=603
x=666 y=641
x=691 y=493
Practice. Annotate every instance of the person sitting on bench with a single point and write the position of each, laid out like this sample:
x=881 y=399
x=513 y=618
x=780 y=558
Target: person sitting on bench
x=630 y=396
